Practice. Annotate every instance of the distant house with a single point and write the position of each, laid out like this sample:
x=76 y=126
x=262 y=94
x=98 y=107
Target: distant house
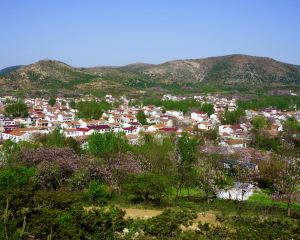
x=100 y=128
x=240 y=192
x=177 y=114
x=235 y=143
x=205 y=126
x=199 y=116
x=130 y=130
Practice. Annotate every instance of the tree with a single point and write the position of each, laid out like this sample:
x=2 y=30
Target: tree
x=233 y=117
x=187 y=157
x=291 y=132
x=121 y=166
x=52 y=101
x=148 y=186
x=260 y=122
x=158 y=154
x=72 y=104
x=101 y=145
x=208 y=108
x=209 y=180
x=17 y=109
x=261 y=140
x=98 y=192
x=57 y=139
x=91 y=109
x=287 y=182
x=141 y=117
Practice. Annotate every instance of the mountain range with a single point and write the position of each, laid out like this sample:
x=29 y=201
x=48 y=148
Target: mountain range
x=224 y=71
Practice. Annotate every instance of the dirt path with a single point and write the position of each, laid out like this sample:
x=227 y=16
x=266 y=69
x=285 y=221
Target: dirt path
x=145 y=213
x=140 y=213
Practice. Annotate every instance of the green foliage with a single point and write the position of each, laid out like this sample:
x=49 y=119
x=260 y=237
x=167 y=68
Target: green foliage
x=250 y=228
x=49 y=176
x=78 y=180
x=260 y=122
x=168 y=223
x=72 y=104
x=187 y=151
x=187 y=147
x=279 y=102
x=52 y=101
x=11 y=148
x=17 y=109
x=11 y=178
x=211 y=134
x=148 y=186
x=101 y=145
x=92 y=109
x=159 y=154
x=98 y=192
x=291 y=126
x=262 y=141
x=233 y=117
x=141 y=117
x=57 y=139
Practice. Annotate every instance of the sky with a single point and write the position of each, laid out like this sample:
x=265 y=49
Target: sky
x=119 y=32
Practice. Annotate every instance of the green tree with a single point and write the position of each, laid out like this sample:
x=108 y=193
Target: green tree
x=159 y=154
x=141 y=117
x=187 y=157
x=91 y=109
x=260 y=122
x=72 y=104
x=148 y=186
x=101 y=145
x=52 y=101
x=17 y=109
x=98 y=192
x=208 y=108
x=57 y=139
x=233 y=117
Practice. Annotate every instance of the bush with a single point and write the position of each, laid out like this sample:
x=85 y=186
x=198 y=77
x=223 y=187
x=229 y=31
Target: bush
x=15 y=178
x=49 y=176
x=98 y=192
x=168 y=223
x=77 y=181
x=148 y=187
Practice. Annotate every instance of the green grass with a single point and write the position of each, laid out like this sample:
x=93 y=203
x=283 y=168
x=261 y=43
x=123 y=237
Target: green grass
x=265 y=199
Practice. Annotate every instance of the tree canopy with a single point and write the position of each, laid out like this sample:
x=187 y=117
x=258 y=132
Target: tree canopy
x=16 y=109
x=91 y=109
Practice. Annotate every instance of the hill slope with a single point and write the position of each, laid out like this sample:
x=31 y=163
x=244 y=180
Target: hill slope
x=49 y=75
x=228 y=70
x=231 y=70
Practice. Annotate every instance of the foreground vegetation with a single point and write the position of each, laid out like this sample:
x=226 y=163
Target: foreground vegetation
x=53 y=189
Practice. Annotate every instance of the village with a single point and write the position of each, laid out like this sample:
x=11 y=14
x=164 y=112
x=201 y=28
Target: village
x=44 y=118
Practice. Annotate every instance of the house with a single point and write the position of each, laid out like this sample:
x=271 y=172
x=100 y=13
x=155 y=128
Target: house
x=132 y=138
x=9 y=124
x=240 y=192
x=72 y=124
x=22 y=134
x=177 y=114
x=199 y=116
x=205 y=126
x=43 y=123
x=65 y=117
x=234 y=143
x=100 y=128
x=130 y=130
x=72 y=132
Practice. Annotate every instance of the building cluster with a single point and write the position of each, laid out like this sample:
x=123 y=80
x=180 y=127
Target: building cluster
x=44 y=118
